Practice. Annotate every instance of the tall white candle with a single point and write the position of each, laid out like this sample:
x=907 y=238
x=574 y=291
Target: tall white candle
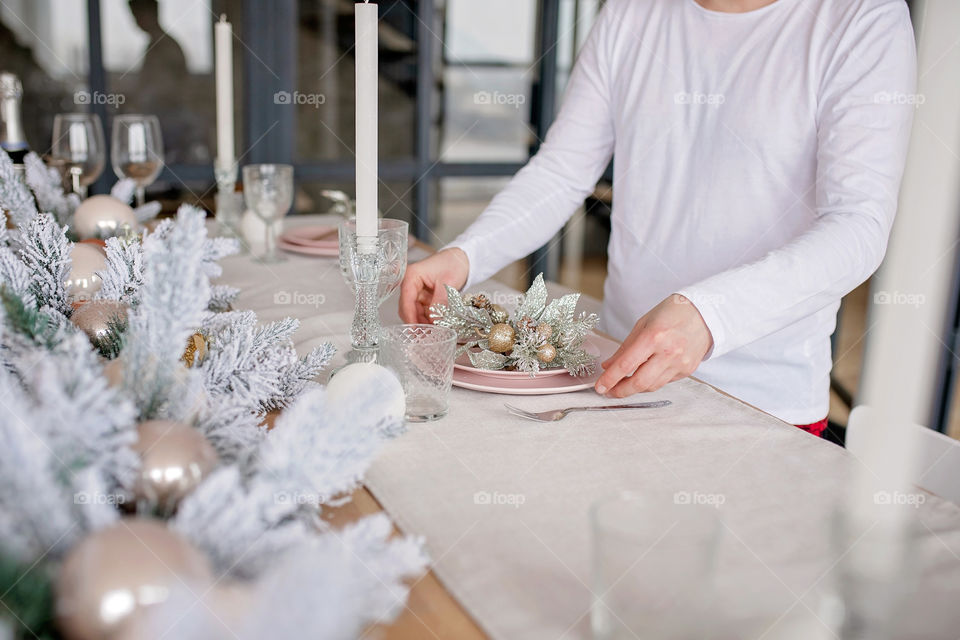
x=366 y=57
x=223 y=46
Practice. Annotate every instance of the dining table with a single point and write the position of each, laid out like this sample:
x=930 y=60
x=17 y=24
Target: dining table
x=502 y=503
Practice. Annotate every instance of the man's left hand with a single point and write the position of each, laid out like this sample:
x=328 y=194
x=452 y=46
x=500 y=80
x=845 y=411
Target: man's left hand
x=666 y=344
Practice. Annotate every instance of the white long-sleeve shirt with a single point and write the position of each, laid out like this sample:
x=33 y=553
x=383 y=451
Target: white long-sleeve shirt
x=758 y=157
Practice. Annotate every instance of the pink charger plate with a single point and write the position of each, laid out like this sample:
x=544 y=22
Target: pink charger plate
x=524 y=385
x=307 y=236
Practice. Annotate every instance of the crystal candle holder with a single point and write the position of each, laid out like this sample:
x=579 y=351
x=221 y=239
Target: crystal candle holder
x=366 y=263
x=229 y=202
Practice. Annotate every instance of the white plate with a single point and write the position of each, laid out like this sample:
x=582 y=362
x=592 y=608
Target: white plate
x=524 y=385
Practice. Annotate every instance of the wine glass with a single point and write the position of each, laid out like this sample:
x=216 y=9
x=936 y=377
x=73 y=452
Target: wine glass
x=78 y=148
x=268 y=192
x=137 y=150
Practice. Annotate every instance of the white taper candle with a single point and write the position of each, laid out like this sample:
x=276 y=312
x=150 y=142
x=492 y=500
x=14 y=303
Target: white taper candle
x=223 y=47
x=366 y=136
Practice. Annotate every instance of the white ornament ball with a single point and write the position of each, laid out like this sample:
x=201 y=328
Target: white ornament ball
x=348 y=381
x=254 y=230
x=101 y=216
x=86 y=260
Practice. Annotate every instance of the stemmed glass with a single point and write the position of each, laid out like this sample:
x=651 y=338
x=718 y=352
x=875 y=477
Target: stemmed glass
x=78 y=148
x=268 y=192
x=137 y=150
x=392 y=235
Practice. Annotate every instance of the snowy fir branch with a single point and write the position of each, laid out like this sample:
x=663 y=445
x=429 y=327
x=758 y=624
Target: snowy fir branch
x=14 y=195
x=47 y=188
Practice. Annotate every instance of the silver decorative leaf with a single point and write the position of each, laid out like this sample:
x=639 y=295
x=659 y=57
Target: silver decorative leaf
x=533 y=300
x=560 y=310
x=487 y=360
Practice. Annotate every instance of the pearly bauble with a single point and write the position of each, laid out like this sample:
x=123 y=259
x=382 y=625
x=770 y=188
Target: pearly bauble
x=101 y=217
x=175 y=458
x=86 y=260
x=94 y=318
x=345 y=384
x=117 y=572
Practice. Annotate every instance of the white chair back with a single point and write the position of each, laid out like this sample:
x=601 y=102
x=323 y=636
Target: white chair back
x=937 y=464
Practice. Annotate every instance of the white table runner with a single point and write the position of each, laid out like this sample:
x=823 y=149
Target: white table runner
x=503 y=502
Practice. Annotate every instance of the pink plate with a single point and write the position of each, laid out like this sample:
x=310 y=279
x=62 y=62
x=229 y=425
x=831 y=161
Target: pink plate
x=463 y=364
x=469 y=378
x=331 y=252
x=322 y=235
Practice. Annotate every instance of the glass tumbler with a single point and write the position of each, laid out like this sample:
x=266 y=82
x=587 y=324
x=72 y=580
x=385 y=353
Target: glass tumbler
x=422 y=356
x=652 y=567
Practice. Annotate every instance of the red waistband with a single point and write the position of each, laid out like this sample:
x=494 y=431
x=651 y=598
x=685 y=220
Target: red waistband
x=817 y=428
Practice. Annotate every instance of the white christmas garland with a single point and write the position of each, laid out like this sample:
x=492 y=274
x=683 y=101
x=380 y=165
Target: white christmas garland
x=67 y=432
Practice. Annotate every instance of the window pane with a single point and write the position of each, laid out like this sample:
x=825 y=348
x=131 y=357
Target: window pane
x=159 y=60
x=324 y=98
x=488 y=71
x=44 y=42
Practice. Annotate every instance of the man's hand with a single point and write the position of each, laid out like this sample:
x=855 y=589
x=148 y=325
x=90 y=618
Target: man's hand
x=666 y=344
x=423 y=283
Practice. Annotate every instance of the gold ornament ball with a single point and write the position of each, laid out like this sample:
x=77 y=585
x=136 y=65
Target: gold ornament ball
x=86 y=260
x=117 y=572
x=196 y=350
x=544 y=330
x=94 y=317
x=501 y=337
x=175 y=458
x=547 y=353
x=498 y=314
x=102 y=216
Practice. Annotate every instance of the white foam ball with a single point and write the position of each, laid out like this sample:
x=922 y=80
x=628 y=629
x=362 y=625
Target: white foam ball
x=348 y=381
x=101 y=216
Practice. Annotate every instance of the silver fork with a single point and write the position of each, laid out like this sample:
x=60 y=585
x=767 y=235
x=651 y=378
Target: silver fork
x=560 y=414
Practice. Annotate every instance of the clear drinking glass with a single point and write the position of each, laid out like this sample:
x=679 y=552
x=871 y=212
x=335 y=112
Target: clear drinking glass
x=268 y=192
x=78 y=149
x=652 y=567
x=136 y=150
x=876 y=570
x=422 y=356
x=393 y=235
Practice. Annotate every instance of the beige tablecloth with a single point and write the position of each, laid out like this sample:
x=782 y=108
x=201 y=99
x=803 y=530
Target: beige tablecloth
x=503 y=502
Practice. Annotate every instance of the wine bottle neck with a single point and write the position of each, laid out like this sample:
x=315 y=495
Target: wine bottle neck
x=11 y=92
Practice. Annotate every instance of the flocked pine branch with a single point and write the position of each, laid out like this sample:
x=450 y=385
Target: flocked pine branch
x=222 y=297
x=47 y=187
x=123 y=276
x=45 y=251
x=257 y=366
x=48 y=500
x=332 y=586
x=147 y=211
x=14 y=195
x=173 y=302
x=124 y=189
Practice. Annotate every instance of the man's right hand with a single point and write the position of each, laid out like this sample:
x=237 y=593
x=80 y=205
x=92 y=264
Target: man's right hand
x=423 y=283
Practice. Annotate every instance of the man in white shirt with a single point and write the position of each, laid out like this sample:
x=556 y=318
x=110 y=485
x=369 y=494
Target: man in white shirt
x=759 y=147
